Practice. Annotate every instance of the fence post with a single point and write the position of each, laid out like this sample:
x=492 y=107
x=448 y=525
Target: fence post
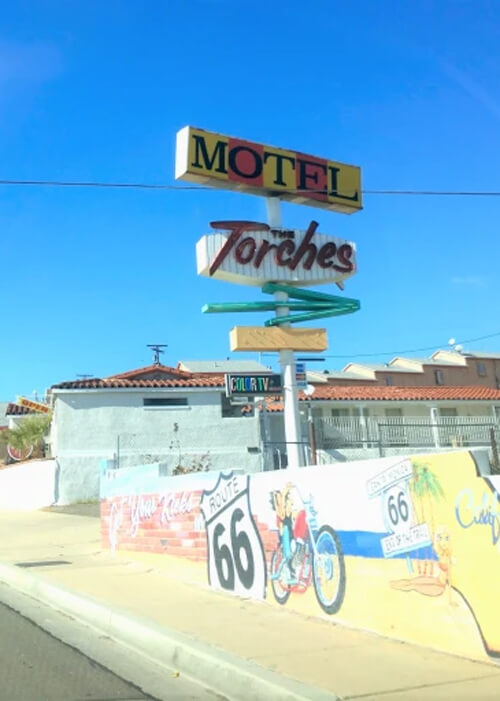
x=362 y=426
x=264 y=433
x=380 y=446
x=312 y=435
x=434 y=426
x=494 y=450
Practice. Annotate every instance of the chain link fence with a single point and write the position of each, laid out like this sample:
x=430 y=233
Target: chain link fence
x=177 y=457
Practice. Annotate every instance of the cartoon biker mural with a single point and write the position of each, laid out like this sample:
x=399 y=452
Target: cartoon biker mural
x=305 y=551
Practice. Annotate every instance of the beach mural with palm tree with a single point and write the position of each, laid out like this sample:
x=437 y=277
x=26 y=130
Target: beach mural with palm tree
x=412 y=499
x=430 y=564
x=425 y=489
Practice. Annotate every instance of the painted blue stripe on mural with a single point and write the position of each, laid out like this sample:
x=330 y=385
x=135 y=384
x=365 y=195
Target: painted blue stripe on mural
x=368 y=544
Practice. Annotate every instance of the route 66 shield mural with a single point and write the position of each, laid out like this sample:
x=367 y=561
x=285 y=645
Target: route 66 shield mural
x=236 y=560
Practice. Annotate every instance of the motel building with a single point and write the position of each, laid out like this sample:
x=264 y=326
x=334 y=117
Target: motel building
x=181 y=416
x=361 y=422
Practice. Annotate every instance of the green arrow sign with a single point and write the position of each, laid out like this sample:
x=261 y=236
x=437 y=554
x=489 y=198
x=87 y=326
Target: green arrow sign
x=312 y=305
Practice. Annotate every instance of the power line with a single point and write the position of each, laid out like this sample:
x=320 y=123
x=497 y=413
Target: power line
x=408 y=350
x=414 y=350
x=163 y=186
x=76 y=183
x=436 y=193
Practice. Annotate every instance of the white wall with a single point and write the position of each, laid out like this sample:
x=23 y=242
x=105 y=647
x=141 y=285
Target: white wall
x=15 y=421
x=28 y=486
x=87 y=423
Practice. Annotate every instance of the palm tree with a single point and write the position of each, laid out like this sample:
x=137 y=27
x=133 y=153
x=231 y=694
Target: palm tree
x=29 y=434
x=425 y=486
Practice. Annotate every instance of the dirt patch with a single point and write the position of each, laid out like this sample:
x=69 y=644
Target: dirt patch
x=76 y=510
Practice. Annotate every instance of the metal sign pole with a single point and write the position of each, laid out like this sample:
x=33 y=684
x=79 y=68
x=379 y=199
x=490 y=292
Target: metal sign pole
x=287 y=363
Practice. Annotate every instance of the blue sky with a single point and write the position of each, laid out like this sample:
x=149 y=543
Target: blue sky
x=93 y=90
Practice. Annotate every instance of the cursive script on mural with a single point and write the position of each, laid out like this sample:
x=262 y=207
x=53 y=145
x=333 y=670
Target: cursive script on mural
x=484 y=512
x=144 y=508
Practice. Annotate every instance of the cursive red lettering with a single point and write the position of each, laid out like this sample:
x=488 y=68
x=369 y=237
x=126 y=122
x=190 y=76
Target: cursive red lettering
x=265 y=246
x=287 y=246
x=249 y=244
x=253 y=250
x=326 y=252
x=344 y=257
x=306 y=248
x=237 y=228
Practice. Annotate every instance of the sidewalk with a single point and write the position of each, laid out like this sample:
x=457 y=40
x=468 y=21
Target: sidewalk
x=345 y=662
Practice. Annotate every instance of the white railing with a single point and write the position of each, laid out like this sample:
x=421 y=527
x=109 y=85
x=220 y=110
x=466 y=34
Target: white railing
x=418 y=431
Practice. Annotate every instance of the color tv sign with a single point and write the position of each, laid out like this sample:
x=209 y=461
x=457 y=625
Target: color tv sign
x=252 y=253
x=224 y=162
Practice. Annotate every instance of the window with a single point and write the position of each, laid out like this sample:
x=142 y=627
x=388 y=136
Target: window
x=388 y=380
x=438 y=377
x=340 y=413
x=394 y=413
x=481 y=369
x=448 y=412
x=164 y=401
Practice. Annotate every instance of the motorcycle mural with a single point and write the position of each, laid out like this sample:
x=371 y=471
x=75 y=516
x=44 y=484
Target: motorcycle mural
x=423 y=532
x=306 y=552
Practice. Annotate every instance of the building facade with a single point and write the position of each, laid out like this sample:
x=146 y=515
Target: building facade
x=183 y=420
x=442 y=368
x=153 y=414
x=357 y=422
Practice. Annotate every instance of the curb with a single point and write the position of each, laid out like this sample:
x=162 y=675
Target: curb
x=223 y=672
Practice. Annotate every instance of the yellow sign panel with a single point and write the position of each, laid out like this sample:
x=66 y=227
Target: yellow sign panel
x=225 y=162
x=34 y=406
x=260 y=338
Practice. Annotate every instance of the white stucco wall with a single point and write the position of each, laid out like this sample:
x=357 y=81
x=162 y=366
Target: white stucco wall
x=87 y=424
x=28 y=486
x=15 y=421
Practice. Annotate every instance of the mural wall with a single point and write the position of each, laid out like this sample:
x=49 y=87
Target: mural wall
x=408 y=547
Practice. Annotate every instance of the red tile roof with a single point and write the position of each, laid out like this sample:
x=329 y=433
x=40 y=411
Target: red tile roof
x=394 y=394
x=17 y=410
x=151 y=372
x=322 y=392
x=151 y=376
x=406 y=393
x=97 y=383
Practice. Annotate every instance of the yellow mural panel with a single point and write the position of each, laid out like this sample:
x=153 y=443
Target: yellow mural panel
x=452 y=586
x=469 y=515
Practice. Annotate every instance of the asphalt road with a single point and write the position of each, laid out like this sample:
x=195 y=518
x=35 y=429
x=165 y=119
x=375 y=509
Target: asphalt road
x=34 y=666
